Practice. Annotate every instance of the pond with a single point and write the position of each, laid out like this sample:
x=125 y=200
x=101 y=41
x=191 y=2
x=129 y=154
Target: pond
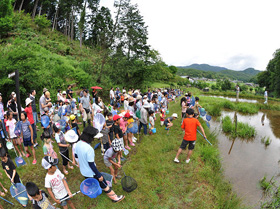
x=250 y=160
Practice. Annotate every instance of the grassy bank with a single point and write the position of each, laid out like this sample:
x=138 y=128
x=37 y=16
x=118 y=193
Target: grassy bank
x=161 y=182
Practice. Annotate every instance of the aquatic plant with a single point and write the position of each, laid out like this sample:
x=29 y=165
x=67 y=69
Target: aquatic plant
x=265 y=184
x=227 y=125
x=266 y=141
x=214 y=110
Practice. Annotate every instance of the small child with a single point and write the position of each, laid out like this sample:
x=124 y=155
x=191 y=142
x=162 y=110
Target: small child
x=196 y=106
x=55 y=183
x=110 y=158
x=110 y=123
x=162 y=117
x=151 y=120
x=48 y=148
x=105 y=138
x=11 y=124
x=63 y=147
x=27 y=135
x=117 y=130
x=39 y=197
x=10 y=169
x=74 y=124
x=168 y=124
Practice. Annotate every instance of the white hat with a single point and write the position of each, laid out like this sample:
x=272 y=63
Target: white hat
x=145 y=96
x=74 y=100
x=146 y=105
x=71 y=136
x=99 y=135
x=13 y=93
x=174 y=115
x=48 y=162
x=28 y=101
x=139 y=97
x=64 y=92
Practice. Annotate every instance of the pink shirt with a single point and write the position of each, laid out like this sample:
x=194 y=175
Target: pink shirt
x=123 y=125
x=29 y=113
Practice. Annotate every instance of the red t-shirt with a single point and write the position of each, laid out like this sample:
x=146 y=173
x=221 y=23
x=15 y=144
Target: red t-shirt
x=190 y=125
x=29 y=113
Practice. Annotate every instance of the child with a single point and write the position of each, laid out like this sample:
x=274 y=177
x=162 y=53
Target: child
x=151 y=120
x=117 y=130
x=10 y=169
x=29 y=113
x=74 y=124
x=190 y=125
x=48 y=148
x=27 y=135
x=55 y=183
x=109 y=124
x=196 y=106
x=162 y=117
x=105 y=138
x=123 y=126
x=39 y=197
x=11 y=124
x=167 y=122
x=110 y=161
x=63 y=147
x=47 y=132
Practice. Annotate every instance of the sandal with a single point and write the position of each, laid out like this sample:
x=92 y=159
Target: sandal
x=119 y=198
x=65 y=172
x=71 y=167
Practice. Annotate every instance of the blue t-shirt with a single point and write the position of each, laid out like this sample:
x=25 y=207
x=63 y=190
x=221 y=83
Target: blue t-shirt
x=85 y=155
x=26 y=130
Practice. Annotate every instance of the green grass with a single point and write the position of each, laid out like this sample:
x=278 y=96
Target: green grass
x=161 y=182
x=244 y=130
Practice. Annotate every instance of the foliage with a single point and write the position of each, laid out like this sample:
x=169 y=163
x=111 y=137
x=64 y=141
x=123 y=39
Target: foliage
x=42 y=22
x=226 y=85
x=6 y=14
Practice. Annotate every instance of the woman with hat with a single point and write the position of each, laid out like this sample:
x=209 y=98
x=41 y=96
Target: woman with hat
x=72 y=138
x=86 y=156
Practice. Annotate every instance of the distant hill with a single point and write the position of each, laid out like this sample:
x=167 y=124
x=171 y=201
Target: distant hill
x=208 y=71
x=204 y=67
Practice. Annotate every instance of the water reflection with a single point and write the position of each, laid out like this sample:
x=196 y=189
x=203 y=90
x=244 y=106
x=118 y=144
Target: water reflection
x=249 y=161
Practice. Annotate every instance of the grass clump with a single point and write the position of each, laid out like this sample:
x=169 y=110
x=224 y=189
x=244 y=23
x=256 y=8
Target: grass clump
x=215 y=110
x=244 y=130
x=247 y=108
x=265 y=184
x=266 y=141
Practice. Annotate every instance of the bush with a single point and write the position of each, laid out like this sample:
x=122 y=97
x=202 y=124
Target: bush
x=42 y=22
x=6 y=25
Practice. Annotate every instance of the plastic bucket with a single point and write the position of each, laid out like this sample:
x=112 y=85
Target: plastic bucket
x=167 y=112
x=108 y=178
x=91 y=188
x=20 y=161
x=154 y=130
x=202 y=112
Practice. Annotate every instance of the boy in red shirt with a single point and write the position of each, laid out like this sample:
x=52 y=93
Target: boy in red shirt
x=189 y=125
x=29 y=113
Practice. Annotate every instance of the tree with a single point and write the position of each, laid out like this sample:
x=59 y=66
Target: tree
x=226 y=85
x=82 y=23
x=6 y=14
x=173 y=69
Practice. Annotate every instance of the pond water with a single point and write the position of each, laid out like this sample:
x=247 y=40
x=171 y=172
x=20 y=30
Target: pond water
x=249 y=160
x=233 y=99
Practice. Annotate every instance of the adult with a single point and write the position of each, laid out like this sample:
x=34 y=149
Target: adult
x=43 y=102
x=2 y=114
x=265 y=96
x=64 y=96
x=12 y=106
x=86 y=156
x=144 y=118
x=85 y=108
x=69 y=92
x=237 y=92
x=164 y=101
x=33 y=105
x=94 y=95
x=112 y=96
x=97 y=106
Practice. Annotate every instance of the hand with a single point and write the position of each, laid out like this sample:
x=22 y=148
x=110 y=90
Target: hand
x=68 y=145
x=70 y=194
x=119 y=166
x=100 y=179
x=57 y=201
x=32 y=141
x=12 y=180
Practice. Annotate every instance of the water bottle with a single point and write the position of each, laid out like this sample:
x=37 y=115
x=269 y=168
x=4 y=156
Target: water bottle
x=125 y=151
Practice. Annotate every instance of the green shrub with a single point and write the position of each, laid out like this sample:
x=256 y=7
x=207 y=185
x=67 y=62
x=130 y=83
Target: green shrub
x=42 y=22
x=227 y=125
x=228 y=104
x=214 y=110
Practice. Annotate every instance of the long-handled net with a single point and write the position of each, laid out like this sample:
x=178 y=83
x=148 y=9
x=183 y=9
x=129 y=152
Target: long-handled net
x=128 y=183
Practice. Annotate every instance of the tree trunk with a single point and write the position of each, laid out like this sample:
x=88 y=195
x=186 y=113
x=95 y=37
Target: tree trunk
x=40 y=9
x=20 y=7
x=72 y=26
x=34 y=9
x=15 y=4
x=81 y=38
x=69 y=27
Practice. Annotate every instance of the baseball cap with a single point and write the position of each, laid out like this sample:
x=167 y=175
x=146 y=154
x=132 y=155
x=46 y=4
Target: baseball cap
x=48 y=162
x=127 y=115
x=175 y=115
x=116 y=117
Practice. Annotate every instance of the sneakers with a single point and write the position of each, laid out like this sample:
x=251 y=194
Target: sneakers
x=176 y=160
x=134 y=138
x=187 y=161
x=132 y=144
x=119 y=198
x=27 y=155
x=35 y=145
x=34 y=162
x=127 y=147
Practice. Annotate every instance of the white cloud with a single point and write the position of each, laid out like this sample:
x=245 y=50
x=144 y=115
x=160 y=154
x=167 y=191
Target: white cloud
x=234 y=33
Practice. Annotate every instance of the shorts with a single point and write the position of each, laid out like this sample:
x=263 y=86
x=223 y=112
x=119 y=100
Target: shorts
x=108 y=163
x=185 y=143
x=27 y=142
x=122 y=144
x=64 y=203
x=166 y=124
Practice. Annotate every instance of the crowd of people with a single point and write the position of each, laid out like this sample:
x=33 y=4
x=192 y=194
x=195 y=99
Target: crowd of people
x=127 y=109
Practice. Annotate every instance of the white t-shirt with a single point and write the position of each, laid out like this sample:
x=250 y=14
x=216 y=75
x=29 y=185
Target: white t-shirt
x=56 y=184
x=125 y=104
x=152 y=121
x=11 y=125
x=112 y=94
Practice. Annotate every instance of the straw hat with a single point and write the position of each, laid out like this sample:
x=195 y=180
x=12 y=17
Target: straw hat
x=71 y=136
x=130 y=99
x=28 y=101
x=139 y=97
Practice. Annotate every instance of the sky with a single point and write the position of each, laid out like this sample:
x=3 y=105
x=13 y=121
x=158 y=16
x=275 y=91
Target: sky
x=236 y=34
